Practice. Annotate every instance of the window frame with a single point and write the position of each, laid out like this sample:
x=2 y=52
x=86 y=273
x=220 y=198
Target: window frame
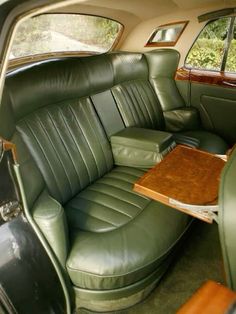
x=166 y=43
x=15 y=62
x=227 y=43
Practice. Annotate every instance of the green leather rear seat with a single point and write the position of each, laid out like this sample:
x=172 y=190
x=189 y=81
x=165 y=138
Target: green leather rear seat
x=118 y=241
x=146 y=94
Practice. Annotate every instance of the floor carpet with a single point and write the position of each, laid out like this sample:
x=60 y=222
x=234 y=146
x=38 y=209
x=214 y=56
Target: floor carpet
x=199 y=259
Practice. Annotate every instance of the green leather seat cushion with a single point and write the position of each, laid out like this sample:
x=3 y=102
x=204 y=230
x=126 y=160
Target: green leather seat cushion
x=117 y=236
x=108 y=203
x=208 y=141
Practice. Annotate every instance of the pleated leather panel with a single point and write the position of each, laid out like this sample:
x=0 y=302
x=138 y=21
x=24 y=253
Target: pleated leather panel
x=108 y=203
x=69 y=146
x=121 y=257
x=138 y=104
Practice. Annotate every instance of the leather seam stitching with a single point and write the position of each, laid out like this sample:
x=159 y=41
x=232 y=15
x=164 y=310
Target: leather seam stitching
x=122 y=200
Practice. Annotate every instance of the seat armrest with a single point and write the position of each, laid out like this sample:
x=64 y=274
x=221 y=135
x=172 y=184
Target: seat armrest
x=50 y=217
x=182 y=119
x=139 y=147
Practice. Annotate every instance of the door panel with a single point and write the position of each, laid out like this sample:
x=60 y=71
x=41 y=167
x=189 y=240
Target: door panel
x=221 y=113
x=214 y=94
x=28 y=280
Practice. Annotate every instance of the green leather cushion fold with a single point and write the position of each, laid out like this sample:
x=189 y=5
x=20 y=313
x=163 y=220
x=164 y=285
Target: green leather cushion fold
x=209 y=142
x=50 y=217
x=182 y=119
x=139 y=147
x=108 y=203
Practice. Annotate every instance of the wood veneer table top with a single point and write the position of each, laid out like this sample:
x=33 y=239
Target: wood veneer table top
x=187 y=175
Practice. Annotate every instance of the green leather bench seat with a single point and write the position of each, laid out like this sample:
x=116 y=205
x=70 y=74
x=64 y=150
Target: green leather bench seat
x=106 y=237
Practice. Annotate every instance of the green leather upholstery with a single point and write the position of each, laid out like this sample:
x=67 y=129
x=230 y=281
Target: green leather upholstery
x=129 y=253
x=107 y=236
x=59 y=114
x=227 y=219
x=139 y=147
x=133 y=93
x=208 y=141
x=181 y=119
x=108 y=203
x=50 y=216
x=108 y=112
x=178 y=117
x=71 y=152
x=162 y=65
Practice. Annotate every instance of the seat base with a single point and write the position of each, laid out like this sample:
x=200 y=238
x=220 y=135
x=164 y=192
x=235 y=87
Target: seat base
x=108 y=305
x=125 y=297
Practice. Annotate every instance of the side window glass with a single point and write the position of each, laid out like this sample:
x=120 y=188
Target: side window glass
x=207 y=51
x=231 y=59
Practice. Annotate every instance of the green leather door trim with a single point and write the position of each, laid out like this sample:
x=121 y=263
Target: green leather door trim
x=221 y=113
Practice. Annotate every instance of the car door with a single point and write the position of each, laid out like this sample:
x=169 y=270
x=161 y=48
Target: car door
x=210 y=72
x=28 y=282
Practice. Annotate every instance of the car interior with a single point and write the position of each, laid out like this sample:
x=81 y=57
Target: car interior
x=88 y=124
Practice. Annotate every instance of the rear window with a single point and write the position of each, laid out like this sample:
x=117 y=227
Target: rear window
x=51 y=33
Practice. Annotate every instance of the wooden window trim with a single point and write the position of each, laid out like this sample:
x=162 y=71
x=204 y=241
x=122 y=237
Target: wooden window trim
x=219 y=78
x=167 y=43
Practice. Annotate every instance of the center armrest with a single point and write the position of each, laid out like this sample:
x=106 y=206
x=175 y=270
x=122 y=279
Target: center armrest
x=139 y=147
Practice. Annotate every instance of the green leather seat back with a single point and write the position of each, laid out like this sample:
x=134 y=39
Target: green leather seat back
x=69 y=146
x=133 y=92
x=162 y=64
x=57 y=122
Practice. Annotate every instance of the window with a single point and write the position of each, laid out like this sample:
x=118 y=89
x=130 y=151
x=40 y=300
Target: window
x=51 y=33
x=215 y=47
x=231 y=59
x=167 y=35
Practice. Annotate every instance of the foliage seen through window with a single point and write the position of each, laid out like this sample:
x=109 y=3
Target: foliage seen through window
x=64 y=32
x=207 y=52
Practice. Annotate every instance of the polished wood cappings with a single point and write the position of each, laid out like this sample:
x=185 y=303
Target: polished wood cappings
x=206 y=77
x=9 y=146
x=211 y=298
